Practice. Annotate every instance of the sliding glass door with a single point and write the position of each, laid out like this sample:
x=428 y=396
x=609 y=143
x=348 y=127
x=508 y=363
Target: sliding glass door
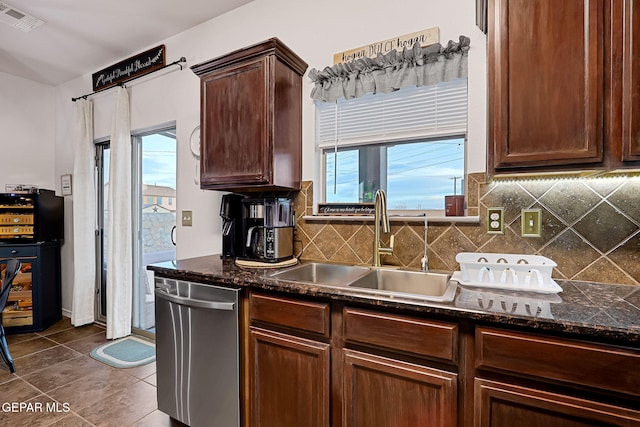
x=154 y=204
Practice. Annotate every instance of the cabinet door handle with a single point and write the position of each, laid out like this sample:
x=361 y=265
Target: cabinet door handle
x=13 y=252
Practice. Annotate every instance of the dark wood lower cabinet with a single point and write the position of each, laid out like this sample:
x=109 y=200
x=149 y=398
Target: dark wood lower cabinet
x=289 y=379
x=383 y=392
x=313 y=362
x=505 y=405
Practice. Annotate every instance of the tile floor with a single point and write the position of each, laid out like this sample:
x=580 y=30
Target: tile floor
x=54 y=372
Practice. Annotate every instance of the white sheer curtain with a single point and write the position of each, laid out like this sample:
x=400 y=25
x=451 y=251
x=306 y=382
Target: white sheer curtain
x=119 y=239
x=84 y=217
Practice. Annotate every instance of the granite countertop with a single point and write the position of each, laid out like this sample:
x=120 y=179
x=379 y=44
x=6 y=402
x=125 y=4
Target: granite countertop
x=595 y=311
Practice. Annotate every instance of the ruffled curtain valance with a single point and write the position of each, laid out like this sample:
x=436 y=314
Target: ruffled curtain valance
x=389 y=72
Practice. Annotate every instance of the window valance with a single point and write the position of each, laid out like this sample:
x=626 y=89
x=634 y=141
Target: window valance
x=389 y=72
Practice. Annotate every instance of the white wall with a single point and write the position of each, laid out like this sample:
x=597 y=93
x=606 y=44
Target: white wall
x=315 y=33
x=28 y=138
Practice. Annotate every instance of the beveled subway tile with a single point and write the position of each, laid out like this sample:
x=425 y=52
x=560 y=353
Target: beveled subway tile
x=38 y=361
x=17 y=390
x=93 y=388
x=66 y=372
x=34 y=345
x=73 y=334
x=124 y=408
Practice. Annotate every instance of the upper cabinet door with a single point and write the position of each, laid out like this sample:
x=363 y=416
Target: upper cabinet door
x=251 y=119
x=235 y=146
x=546 y=90
x=631 y=82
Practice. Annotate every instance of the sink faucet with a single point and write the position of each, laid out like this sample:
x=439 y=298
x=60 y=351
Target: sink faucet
x=380 y=216
x=425 y=258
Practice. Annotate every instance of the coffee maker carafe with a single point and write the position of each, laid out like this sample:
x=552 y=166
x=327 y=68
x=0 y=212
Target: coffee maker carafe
x=268 y=229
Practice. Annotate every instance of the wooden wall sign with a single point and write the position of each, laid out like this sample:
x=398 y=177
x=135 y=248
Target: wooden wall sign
x=346 y=209
x=425 y=38
x=136 y=66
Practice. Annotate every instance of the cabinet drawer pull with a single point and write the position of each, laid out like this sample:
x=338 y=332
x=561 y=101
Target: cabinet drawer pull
x=13 y=252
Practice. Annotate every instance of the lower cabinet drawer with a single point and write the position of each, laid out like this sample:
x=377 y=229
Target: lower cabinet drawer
x=290 y=312
x=606 y=367
x=17 y=251
x=404 y=333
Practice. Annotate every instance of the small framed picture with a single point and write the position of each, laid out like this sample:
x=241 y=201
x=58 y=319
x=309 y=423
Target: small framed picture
x=66 y=184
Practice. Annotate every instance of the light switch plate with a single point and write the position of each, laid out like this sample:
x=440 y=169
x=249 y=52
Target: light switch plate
x=531 y=220
x=187 y=218
x=495 y=220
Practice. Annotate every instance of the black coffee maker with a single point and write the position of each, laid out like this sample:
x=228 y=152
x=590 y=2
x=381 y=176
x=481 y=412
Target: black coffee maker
x=232 y=221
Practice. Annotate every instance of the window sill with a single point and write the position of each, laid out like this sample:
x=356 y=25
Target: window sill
x=395 y=218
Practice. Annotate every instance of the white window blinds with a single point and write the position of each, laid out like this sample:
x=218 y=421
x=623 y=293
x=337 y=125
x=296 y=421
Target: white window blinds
x=409 y=113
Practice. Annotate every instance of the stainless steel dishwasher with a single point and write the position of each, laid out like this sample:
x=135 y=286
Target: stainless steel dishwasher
x=197 y=353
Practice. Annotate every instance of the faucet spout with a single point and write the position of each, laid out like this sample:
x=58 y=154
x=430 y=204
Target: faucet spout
x=425 y=258
x=380 y=219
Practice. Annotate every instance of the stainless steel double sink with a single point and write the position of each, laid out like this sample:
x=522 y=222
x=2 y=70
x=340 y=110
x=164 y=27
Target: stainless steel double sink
x=379 y=280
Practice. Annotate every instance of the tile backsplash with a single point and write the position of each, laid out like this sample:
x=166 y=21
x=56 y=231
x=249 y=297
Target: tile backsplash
x=590 y=228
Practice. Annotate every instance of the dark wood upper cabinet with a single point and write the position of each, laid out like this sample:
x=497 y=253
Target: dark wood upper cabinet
x=546 y=83
x=631 y=82
x=251 y=119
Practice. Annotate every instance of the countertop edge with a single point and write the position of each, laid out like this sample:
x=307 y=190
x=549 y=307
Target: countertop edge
x=256 y=279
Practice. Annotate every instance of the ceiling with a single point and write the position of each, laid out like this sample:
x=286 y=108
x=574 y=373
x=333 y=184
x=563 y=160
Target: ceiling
x=83 y=36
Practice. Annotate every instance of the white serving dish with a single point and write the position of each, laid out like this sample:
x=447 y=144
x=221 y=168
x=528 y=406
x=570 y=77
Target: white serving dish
x=516 y=272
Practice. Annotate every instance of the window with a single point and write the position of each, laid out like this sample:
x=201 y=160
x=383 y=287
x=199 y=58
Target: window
x=170 y=201
x=411 y=143
x=159 y=200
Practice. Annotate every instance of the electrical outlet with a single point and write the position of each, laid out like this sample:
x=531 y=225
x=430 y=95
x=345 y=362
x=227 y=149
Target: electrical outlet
x=187 y=218
x=495 y=220
x=531 y=222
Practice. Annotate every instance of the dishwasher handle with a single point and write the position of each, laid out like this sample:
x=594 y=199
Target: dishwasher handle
x=192 y=302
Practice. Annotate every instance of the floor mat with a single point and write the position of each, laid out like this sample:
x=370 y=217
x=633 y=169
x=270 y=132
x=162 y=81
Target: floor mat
x=125 y=352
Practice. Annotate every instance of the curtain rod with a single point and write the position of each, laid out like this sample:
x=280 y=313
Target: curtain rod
x=121 y=84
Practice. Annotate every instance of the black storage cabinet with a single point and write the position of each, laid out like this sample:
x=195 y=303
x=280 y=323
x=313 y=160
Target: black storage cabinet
x=32 y=230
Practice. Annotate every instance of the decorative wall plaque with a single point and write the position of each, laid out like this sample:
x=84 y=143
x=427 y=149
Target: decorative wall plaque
x=136 y=66
x=425 y=38
x=346 y=209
